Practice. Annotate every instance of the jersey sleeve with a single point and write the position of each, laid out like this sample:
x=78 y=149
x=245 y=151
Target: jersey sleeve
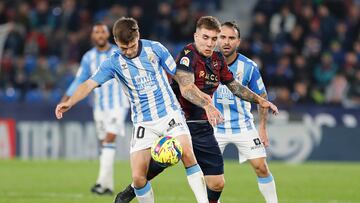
x=256 y=83
x=185 y=60
x=82 y=74
x=226 y=75
x=104 y=73
x=165 y=58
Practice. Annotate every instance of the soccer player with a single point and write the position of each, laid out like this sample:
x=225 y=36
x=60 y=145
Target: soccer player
x=198 y=64
x=110 y=106
x=141 y=66
x=239 y=127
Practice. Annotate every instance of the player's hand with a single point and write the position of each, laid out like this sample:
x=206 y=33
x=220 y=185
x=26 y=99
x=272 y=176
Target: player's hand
x=267 y=104
x=264 y=137
x=61 y=108
x=213 y=114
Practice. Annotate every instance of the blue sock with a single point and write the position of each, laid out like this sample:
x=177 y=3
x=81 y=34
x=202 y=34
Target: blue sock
x=142 y=191
x=265 y=179
x=192 y=169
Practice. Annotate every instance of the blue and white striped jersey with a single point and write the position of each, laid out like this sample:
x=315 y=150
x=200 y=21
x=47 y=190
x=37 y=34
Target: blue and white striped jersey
x=237 y=112
x=110 y=95
x=144 y=80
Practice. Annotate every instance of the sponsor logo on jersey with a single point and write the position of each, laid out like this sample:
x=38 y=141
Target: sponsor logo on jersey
x=207 y=76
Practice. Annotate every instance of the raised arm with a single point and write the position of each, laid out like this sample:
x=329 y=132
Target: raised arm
x=81 y=92
x=246 y=94
x=194 y=95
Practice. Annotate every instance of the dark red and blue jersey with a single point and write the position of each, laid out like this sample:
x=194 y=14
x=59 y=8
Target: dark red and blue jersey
x=208 y=73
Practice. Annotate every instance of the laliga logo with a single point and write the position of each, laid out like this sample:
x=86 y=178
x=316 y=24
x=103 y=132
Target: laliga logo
x=295 y=141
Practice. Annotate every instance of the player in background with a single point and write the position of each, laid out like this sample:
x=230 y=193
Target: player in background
x=110 y=106
x=141 y=66
x=239 y=127
x=200 y=66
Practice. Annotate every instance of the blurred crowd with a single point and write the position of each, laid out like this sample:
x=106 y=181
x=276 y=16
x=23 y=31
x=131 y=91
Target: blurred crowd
x=308 y=51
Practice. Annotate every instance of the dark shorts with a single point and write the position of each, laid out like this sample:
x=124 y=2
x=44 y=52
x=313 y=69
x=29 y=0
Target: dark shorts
x=206 y=148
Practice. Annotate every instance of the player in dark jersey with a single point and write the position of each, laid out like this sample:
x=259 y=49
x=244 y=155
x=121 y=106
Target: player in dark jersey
x=198 y=64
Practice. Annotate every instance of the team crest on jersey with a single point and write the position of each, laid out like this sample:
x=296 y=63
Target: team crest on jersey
x=152 y=59
x=124 y=66
x=186 y=51
x=239 y=76
x=185 y=61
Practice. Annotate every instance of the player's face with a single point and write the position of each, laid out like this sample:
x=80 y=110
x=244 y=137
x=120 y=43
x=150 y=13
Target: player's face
x=100 y=35
x=130 y=50
x=228 y=41
x=205 y=41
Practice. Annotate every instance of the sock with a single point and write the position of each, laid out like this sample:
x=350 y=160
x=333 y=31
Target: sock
x=106 y=171
x=268 y=189
x=213 y=196
x=145 y=194
x=197 y=183
x=154 y=169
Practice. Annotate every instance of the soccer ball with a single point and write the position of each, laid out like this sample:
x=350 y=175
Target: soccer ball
x=166 y=151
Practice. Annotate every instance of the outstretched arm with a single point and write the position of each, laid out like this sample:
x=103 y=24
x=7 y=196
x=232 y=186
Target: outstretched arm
x=263 y=115
x=81 y=92
x=246 y=94
x=194 y=95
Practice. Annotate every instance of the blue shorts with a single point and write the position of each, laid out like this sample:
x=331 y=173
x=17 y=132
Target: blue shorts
x=206 y=148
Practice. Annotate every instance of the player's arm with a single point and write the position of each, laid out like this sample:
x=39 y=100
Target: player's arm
x=194 y=95
x=81 y=92
x=246 y=94
x=263 y=116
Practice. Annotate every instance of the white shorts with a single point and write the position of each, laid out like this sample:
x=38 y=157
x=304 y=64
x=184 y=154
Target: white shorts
x=111 y=121
x=145 y=133
x=248 y=144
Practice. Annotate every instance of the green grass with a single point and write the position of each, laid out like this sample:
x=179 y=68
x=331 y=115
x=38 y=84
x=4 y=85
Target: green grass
x=70 y=181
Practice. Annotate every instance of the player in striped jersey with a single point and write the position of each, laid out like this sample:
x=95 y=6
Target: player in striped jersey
x=239 y=127
x=110 y=106
x=141 y=66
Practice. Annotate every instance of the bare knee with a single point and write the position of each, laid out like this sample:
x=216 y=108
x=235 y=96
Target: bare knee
x=261 y=170
x=215 y=183
x=139 y=180
x=109 y=138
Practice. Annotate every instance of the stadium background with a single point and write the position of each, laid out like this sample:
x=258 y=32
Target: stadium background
x=308 y=51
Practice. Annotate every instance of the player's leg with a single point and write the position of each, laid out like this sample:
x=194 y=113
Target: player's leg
x=113 y=124
x=194 y=173
x=105 y=181
x=144 y=134
x=177 y=127
x=107 y=154
x=139 y=161
x=266 y=181
x=250 y=148
x=128 y=194
x=208 y=154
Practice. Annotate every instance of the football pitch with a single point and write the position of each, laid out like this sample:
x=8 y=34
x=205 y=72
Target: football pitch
x=70 y=182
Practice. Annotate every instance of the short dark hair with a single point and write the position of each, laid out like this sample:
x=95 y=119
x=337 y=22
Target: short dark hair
x=232 y=24
x=208 y=22
x=125 y=30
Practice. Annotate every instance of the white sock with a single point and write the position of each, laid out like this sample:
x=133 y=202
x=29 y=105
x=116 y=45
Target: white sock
x=197 y=183
x=106 y=171
x=145 y=194
x=268 y=189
